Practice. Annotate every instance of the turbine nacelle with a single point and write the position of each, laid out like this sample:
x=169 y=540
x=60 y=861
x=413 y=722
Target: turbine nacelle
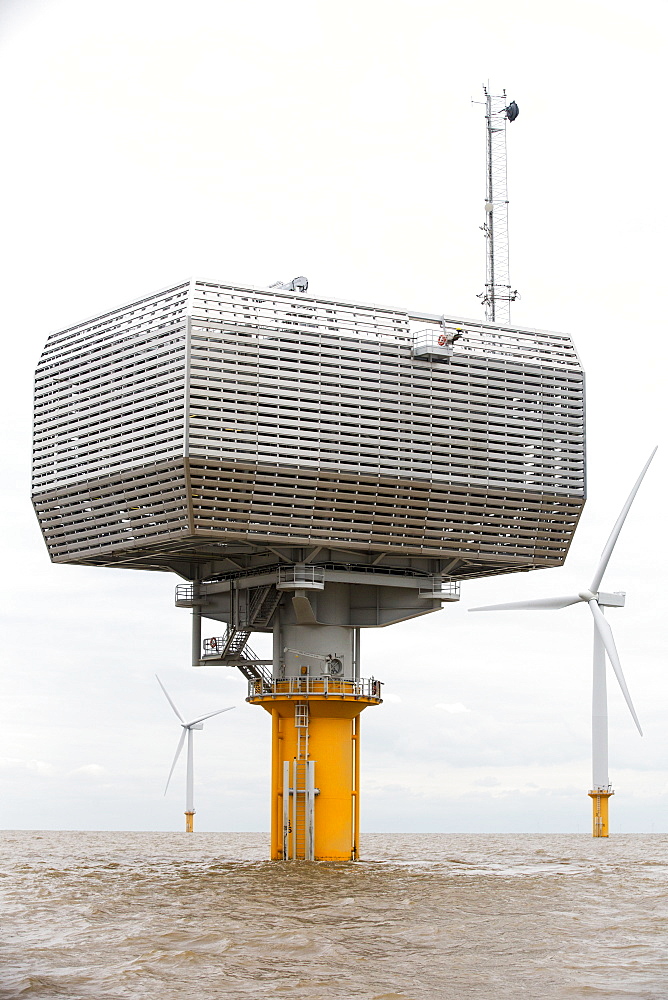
x=604 y=600
x=615 y=600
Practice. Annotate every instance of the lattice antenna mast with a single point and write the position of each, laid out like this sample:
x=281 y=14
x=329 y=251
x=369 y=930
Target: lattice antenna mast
x=498 y=293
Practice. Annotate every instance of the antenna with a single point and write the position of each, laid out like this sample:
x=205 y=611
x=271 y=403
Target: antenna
x=498 y=294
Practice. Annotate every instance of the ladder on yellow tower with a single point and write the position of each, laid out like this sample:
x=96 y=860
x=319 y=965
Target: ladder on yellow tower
x=299 y=809
x=299 y=795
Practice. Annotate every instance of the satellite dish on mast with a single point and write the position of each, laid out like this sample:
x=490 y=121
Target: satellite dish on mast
x=298 y=284
x=512 y=111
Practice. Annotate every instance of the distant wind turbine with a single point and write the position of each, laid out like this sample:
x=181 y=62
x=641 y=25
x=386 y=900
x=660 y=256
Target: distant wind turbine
x=188 y=728
x=603 y=643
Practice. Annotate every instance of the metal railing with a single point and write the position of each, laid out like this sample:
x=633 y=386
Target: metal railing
x=377 y=570
x=365 y=687
x=444 y=590
x=301 y=575
x=435 y=343
x=221 y=647
x=189 y=595
x=185 y=593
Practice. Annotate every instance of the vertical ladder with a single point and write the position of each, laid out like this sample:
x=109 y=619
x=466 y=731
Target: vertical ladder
x=299 y=810
x=299 y=795
x=301 y=725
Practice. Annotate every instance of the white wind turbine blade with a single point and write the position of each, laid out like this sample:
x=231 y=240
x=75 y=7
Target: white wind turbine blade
x=210 y=715
x=605 y=633
x=178 y=714
x=176 y=757
x=539 y=604
x=612 y=541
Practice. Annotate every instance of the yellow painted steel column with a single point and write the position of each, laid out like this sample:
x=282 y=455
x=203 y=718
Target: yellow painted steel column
x=333 y=747
x=189 y=822
x=277 y=757
x=599 y=800
x=356 y=787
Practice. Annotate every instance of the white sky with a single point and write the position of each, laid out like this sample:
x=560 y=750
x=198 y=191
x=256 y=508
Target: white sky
x=147 y=141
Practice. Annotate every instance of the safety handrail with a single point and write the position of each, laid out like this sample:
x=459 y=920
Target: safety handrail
x=217 y=646
x=365 y=687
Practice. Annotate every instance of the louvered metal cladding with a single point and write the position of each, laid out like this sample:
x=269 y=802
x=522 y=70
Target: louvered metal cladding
x=210 y=415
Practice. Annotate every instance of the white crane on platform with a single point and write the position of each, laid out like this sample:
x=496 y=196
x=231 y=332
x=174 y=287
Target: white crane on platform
x=188 y=728
x=604 y=643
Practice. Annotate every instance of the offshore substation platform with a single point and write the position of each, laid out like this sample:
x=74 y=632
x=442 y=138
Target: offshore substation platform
x=309 y=468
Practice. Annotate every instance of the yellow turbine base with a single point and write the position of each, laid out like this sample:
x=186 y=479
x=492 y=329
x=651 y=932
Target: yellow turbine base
x=189 y=821
x=599 y=801
x=334 y=747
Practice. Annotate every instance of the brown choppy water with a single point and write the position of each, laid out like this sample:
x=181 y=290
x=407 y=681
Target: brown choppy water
x=451 y=916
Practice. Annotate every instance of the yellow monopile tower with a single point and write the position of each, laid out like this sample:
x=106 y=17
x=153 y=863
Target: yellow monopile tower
x=599 y=800
x=312 y=687
x=315 y=696
x=315 y=775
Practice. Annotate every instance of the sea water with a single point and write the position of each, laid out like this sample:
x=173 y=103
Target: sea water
x=452 y=916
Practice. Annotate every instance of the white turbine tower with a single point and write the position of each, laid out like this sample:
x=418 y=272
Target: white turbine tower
x=188 y=728
x=603 y=643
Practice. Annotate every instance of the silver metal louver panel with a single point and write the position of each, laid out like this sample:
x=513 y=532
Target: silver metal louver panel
x=210 y=415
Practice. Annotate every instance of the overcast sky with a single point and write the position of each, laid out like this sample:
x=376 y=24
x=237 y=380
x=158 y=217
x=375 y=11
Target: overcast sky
x=148 y=141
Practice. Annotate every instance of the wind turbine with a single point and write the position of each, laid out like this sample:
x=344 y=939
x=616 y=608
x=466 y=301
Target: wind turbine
x=604 y=643
x=188 y=728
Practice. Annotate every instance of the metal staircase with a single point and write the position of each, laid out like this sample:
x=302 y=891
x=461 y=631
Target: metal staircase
x=256 y=672
x=237 y=638
x=263 y=603
x=232 y=649
x=230 y=646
